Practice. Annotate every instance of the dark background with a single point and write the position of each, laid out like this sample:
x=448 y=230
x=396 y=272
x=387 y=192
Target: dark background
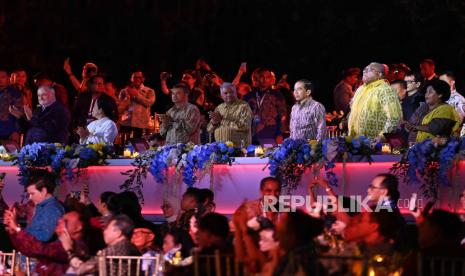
x=303 y=38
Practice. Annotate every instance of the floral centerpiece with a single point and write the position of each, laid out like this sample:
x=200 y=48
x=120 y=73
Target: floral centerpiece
x=428 y=163
x=190 y=160
x=59 y=159
x=289 y=160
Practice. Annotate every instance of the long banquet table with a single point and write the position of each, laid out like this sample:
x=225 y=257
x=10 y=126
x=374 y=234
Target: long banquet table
x=234 y=184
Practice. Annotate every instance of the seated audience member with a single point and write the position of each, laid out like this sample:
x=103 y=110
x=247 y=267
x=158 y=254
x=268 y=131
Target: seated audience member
x=374 y=232
x=176 y=240
x=213 y=234
x=88 y=71
x=171 y=208
x=106 y=208
x=11 y=109
x=143 y=239
x=190 y=203
x=49 y=122
x=181 y=123
x=53 y=256
x=48 y=210
x=436 y=118
x=269 y=187
x=439 y=236
x=343 y=92
x=307 y=116
x=135 y=102
x=128 y=204
x=103 y=129
x=207 y=199
x=117 y=235
x=61 y=93
x=231 y=120
x=296 y=232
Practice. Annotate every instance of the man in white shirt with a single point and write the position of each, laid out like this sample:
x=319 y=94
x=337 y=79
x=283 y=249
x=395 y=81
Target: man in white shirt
x=456 y=100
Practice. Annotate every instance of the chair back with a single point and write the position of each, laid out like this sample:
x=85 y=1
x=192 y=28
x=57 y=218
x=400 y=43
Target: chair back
x=7 y=262
x=129 y=265
x=440 y=266
x=217 y=265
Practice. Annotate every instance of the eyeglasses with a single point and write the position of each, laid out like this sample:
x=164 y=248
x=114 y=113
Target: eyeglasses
x=369 y=69
x=374 y=187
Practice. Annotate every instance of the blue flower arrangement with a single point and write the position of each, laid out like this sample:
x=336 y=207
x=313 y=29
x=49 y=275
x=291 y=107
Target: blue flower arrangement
x=188 y=159
x=289 y=161
x=59 y=159
x=428 y=163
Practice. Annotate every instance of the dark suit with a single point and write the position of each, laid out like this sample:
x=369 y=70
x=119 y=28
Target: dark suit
x=49 y=125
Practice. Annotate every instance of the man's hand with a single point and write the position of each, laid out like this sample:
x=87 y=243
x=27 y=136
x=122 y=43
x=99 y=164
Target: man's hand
x=82 y=132
x=66 y=240
x=132 y=92
x=215 y=117
x=9 y=219
x=67 y=67
x=165 y=119
x=75 y=262
x=27 y=112
x=164 y=76
x=243 y=68
x=14 y=111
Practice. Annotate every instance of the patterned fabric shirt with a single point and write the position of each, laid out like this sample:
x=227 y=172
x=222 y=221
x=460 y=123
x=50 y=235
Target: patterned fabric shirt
x=136 y=109
x=308 y=120
x=235 y=123
x=46 y=216
x=269 y=109
x=9 y=97
x=52 y=257
x=375 y=110
x=185 y=125
x=458 y=102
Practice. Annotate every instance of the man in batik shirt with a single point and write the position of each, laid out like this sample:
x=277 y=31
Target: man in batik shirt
x=181 y=123
x=307 y=116
x=375 y=109
x=231 y=120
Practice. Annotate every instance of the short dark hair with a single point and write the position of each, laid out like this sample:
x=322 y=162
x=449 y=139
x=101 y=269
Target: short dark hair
x=182 y=86
x=391 y=184
x=441 y=87
x=41 y=76
x=350 y=72
x=92 y=79
x=109 y=198
x=450 y=75
x=303 y=226
x=181 y=236
x=215 y=224
x=448 y=224
x=194 y=193
x=42 y=179
x=389 y=223
x=109 y=107
x=400 y=82
x=428 y=61
x=415 y=75
x=206 y=194
x=308 y=85
x=269 y=178
x=124 y=223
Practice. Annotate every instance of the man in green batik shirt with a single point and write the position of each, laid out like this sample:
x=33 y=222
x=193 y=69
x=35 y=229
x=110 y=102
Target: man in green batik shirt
x=231 y=120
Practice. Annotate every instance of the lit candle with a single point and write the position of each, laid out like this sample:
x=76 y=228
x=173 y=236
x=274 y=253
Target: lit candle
x=127 y=153
x=258 y=151
x=386 y=148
